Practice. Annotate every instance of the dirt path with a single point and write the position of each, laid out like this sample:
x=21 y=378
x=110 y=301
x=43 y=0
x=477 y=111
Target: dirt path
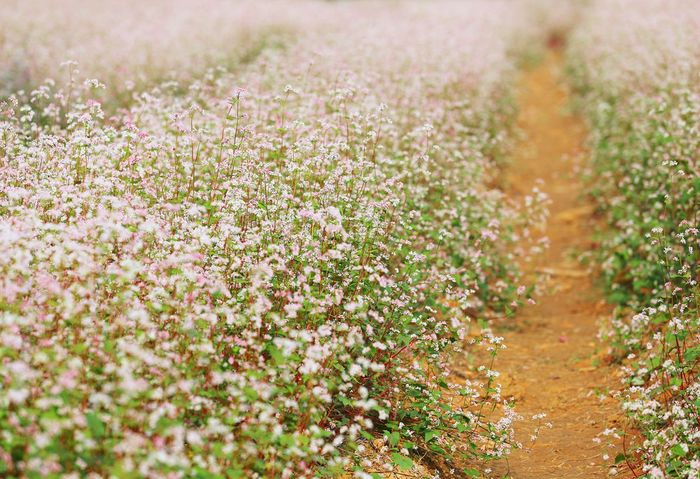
x=549 y=364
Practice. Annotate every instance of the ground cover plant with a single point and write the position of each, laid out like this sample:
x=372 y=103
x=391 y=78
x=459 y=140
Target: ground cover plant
x=255 y=273
x=130 y=45
x=636 y=67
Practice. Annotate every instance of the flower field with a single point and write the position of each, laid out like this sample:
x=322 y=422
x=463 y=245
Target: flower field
x=131 y=45
x=637 y=65
x=248 y=239
x=244 y=274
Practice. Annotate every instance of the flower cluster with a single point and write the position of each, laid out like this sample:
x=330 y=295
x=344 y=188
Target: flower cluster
x=636 y=65
x=248 y=274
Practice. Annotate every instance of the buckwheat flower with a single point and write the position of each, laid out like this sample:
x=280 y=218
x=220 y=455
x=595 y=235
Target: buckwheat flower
x=291 y=309
x=17 y=396
x=352 y=306
x=656 y=473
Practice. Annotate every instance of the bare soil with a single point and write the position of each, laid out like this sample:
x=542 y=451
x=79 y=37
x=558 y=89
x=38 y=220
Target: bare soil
x=551 y=364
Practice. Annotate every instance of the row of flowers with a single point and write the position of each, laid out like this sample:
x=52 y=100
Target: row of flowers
x=256 y=273
x=131 y=45
x=636 y=66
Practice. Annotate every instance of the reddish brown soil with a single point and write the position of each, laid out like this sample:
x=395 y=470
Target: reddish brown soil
x=549 y=365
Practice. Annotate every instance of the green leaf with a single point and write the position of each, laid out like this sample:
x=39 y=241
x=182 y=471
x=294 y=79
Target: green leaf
x=97 y=427
x=692 y=354
x=637 y=381
x=394 y=438
x=201 y=473
x=429 y=435
x=250 y=393
x=433 y=446
x=472 y=473
x=654 y=362
x=276 y=354
x=619 y=458
x=366 y=435
x=678 y=451
x=404 y=463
